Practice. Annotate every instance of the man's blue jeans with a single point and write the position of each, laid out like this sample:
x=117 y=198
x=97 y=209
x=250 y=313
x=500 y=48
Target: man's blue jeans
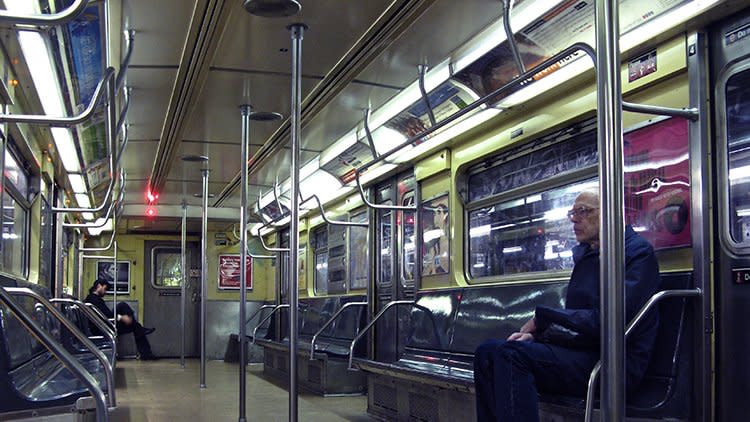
x=508 y=375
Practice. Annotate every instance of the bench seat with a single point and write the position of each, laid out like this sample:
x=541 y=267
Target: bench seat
x=439 y=350
x=326 y=373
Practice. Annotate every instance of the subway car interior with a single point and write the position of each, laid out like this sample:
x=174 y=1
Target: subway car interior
x=319 y=210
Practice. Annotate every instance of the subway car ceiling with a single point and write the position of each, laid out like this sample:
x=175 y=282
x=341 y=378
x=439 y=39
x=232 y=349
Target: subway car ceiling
x=194 y=63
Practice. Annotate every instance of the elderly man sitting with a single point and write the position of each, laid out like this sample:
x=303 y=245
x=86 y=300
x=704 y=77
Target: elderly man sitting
x=555 y=351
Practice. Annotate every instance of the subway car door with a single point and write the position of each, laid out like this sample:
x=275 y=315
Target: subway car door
x=396 y=258
x=162 y=294
x=730 y=53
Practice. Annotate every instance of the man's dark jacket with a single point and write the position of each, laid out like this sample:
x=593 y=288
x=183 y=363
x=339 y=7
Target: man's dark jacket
x=581 y=313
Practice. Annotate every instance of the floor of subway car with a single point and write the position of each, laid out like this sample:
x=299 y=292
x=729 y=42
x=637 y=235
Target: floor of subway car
x=162 y=391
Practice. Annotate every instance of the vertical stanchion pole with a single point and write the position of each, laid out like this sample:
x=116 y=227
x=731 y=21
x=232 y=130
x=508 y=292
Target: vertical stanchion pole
x=245 y=109
x=612 y=245
x=204 y=274
x=185 y=278
x=78 y=273
x=114 y=282
x=297 y=30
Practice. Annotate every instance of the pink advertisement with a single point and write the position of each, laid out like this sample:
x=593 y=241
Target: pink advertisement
x=229 y=272
x=657 y=183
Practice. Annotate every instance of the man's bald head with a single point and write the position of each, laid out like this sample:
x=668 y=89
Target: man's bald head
x=585 y=217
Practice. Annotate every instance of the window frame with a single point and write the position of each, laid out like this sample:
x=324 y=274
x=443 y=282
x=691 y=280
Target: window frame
x=153 y=266
x=557 y=181
x=420 y=236
x=315 y=251
x=22 y=201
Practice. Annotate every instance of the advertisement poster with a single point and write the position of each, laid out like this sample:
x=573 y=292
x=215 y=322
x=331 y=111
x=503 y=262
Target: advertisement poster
x=229 y=272
x=106 y=270
x=657 y=183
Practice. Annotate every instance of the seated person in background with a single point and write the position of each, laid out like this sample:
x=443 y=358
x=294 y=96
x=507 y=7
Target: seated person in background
x=555 y=351
x=126 y=322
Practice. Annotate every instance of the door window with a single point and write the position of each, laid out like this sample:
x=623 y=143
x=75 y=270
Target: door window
x=167 y=267
x=737 y=93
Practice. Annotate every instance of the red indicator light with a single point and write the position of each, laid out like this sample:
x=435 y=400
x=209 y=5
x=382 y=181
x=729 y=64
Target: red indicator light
x=151 y=197
x=150 y=212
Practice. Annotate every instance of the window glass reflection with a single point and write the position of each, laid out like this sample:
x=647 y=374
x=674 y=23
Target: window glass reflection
x=528 y=234
x=738 y=139
x=358 y=249
x=14 y=236
x=167 y=268
x=435 y=232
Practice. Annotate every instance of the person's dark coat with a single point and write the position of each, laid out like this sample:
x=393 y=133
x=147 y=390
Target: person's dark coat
x=581 y=313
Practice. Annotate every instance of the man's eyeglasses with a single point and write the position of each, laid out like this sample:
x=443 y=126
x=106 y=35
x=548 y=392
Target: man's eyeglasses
x=580 y=212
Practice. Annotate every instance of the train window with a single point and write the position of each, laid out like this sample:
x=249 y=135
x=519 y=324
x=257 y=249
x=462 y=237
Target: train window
x=166 y=271
x=525 y=234
x=571 y=149
x=358 y=253
x=319 y=243
x=15 y=217
x=435 y=240
x=408 y=229
x=337 y=270
x=738 y=140
x=385 y=240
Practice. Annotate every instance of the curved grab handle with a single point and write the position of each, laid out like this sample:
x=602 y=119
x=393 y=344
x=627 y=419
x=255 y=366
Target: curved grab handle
x=103 y=326
x=257 y=311
x=94 y=310
x=24 y=291
x=656 y=298
x=276 y=308
x=60 y=353
x=329 y=322
x=361 y=334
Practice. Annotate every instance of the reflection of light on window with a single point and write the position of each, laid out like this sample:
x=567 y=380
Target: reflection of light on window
x=321 y=266
x=741 y=212
x=431 y=235
x=479 y=265
x=385 y=251
x=739 y=173
x=533 y=198
x=652 y=165
x=556 y=214
x=512 y=249
x=639 y=229
x=552 y=243
x=593 y=185
x=566 y=254
x=409 y=246
x=551 y=255
x=480 y=231
x=11 y=236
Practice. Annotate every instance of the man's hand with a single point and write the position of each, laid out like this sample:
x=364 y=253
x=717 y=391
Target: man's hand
x=525 y=333
x=126 y=319
x=521 y=337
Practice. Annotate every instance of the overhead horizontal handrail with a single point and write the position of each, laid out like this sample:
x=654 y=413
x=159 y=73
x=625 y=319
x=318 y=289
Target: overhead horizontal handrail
x=107 y=79
x=67 y=359
x=126 y=61
x=383 y=207
x=368 y=133
x=689 y=113
x=263 y=242
x=329 y=322
x=421 y=70
x=370 y=324
x=98 y=313
x=23 y=291
x=52 y=19
x=267 y=317
x=105 y=219
x=323 y=213
x=656 y=298
x=254 y=256
x=105 y=248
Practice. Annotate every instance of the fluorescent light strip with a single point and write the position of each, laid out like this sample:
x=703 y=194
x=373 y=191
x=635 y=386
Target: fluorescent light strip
x=77 y=183
x=83 y=200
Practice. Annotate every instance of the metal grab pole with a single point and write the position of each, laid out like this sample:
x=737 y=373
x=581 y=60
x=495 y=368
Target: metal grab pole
x=297 y=30
x=612 y=257
x=114 y=283
x=204 y=274
x=245 y=110
x=183 y=290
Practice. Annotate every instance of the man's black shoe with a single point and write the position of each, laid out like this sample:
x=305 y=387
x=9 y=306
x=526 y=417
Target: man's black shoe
x=149 y=357
x=148 y=331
